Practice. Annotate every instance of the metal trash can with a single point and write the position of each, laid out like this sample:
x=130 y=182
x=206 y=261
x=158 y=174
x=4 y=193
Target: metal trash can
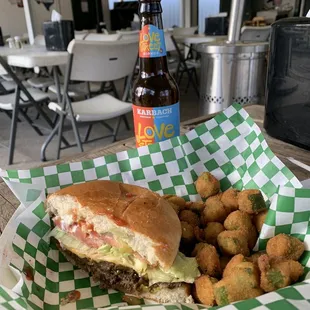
x=232 y=72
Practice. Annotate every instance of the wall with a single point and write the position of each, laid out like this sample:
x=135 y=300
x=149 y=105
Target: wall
x=207 y=8
x=12 y=19
x=171 y=13
x=40 y=14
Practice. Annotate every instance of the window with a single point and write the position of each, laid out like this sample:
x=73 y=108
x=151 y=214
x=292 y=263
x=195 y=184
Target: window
x=171 y=12
x=207 y=8
x=111 y=3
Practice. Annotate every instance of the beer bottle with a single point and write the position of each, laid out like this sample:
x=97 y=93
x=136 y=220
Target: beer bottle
x=156 y=107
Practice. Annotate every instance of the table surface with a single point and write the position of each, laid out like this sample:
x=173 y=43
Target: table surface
x=9 y=203
x=198 y=38
x=31 y=56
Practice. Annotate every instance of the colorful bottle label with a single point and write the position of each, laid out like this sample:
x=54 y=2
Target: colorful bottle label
x=156 y=124
x=152 y=42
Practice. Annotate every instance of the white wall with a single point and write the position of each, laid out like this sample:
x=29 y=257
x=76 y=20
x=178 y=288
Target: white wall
x=207 y=8
x=40 y=14
x=12 y=19
x=171 y=13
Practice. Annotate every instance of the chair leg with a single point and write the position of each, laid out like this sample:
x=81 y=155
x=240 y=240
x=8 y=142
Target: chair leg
x=189 y=73
x=126 y=122
x=60 y=132
x=9 y=114
x=102 y=87
x=14 y=126
x=106 y=125
x=48 y=140
x=28 y=119
x=114 y=90
x=116 y=128
x=74 y=126
x=180 y=77
x=55 y=119
x=90 y=127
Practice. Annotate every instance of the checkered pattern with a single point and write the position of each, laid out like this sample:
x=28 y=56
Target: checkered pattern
x=53 y=276
x=289 y=213
x=10 y=300
x=290 y=298
x=230 y=146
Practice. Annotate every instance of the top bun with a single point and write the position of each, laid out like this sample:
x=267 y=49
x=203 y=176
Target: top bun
x=145 y=220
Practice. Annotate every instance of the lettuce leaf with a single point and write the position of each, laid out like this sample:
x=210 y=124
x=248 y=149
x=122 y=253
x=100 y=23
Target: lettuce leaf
x=184 y=269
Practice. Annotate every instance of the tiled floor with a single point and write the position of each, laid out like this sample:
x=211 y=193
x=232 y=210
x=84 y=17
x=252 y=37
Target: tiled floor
x=28 y=143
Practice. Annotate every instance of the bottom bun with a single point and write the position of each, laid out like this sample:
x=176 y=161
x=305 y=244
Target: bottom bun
x=126 y=280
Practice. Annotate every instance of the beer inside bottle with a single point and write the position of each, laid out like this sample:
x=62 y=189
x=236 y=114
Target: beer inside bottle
x=156 y=107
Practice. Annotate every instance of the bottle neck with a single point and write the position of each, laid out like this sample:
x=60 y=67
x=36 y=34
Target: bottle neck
x=151 y=14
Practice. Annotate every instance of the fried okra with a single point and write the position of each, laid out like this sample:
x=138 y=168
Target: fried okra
x=188 y=235
x=211 y=232
x=251 y=201
x=207 y=259
x=189 y=217
x=285 y=246
x=239 y=220
x=277 y=272
x=179 y=201
x=233 y=242
x=236 y=260
x=207 y=185
x=176 y=208
x=196 y=206
x=214 y=211
x=224 y=260
x=199 y=234
x=254 y=257
x=259 y=220
x=229 y=199
x=241 y=284
x=204 y=290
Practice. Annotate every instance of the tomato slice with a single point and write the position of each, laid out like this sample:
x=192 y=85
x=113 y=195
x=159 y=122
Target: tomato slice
x=86 y=234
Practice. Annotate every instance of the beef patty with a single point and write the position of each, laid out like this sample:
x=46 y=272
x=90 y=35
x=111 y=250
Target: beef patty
x=112 y=276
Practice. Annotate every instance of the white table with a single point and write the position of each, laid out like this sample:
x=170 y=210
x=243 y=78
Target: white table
x=34 y=56
x=199 y=38
x=188 y=41
x=31 y=57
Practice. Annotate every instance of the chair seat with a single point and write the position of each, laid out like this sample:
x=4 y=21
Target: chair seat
x=99 y=108
x=8 y=78
x=77 y=90
x=11 y=85
x=41 y=82
x=7 y=102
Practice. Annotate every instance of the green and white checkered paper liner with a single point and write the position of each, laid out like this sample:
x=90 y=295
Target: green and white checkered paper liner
x=230 y=146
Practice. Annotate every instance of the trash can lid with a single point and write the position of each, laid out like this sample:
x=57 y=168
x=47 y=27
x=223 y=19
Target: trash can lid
x=223 y=47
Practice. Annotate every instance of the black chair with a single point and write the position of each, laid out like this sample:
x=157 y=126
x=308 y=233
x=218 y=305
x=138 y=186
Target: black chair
x=188 y=67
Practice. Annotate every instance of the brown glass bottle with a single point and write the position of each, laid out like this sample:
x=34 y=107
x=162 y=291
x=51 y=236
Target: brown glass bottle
x=155 y=93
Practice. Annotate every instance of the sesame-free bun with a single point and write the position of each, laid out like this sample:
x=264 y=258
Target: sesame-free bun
x=148 y=222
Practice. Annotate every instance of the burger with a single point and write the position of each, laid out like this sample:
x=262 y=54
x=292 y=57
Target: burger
x=126 y=237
